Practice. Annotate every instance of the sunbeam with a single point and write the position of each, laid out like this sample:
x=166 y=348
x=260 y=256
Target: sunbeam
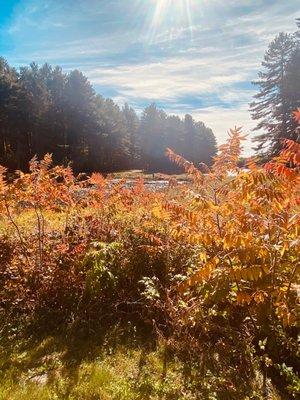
x=169 y=18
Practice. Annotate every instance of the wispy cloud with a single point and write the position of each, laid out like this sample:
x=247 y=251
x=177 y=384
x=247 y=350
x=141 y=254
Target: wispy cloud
x=170 y=79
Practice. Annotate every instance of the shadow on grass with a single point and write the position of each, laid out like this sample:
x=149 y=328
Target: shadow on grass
x=35 y=356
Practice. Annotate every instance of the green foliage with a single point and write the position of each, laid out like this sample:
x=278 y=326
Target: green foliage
x=193 y=140
x=278 y=95
x=293 y=379
x=99 y=263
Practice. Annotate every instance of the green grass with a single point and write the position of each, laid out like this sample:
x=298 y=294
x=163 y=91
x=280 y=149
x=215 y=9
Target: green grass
x=53 y=369
x=114 y=367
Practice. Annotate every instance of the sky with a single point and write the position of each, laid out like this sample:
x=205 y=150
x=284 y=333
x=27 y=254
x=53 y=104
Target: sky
x=187 y=56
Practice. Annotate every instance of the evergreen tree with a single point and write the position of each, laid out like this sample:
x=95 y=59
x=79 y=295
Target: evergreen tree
x=30 y=104
x=206 y=144
x=175 y=135
x=44 y=110
x=298 y=25
x=8 y=88
x=132 y=123
x=291 y=89
x=153 y=143
x=271 y=106
x=199 y=142
x=190 y=139
x=116 y=154
x=56 y=118
x=81 y=118
x=292 y=81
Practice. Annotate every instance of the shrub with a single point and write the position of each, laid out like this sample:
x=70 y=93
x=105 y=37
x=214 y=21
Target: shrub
x=210 y=266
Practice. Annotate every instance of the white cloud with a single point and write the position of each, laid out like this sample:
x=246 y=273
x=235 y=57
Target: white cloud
x=221 y=120
x=170 y=79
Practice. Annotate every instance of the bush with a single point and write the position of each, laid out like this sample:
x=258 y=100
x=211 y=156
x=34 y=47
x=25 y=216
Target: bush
x=209 y=267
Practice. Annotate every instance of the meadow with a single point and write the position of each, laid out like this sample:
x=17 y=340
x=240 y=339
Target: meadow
x=117 y=292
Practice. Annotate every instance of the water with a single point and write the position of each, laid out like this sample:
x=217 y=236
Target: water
x=154 y=185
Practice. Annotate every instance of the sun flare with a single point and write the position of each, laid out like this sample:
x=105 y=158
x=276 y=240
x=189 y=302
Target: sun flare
x=170 y=17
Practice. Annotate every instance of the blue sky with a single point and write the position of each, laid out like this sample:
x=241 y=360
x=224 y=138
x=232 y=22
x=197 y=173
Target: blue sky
x=188 y=56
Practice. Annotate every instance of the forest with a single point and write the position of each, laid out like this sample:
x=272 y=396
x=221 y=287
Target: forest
x=111 y=291
x=44 y=110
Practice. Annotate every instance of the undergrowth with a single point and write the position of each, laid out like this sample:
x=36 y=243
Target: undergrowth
x=207 y=269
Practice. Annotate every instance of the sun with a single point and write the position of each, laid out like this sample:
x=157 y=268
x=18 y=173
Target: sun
x=170 y=17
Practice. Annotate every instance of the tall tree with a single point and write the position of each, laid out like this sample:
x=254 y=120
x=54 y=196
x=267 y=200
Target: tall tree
x=175 y=135
x=81 y=117
x=115 y=155
x=292 y=81
x=132 y=123
x=271 y=106
x=152 y=131
x=206 y=144
x=43 y=109
x=8 y=89
x=32 y=102
x=199 y=142
x=187 y=137
x=56 y=117
x=291 y=89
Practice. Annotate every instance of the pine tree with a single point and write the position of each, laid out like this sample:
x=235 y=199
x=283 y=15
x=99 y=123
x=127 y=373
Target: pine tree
x=175 y=135
x=132 y=125
x=153 y=138
x=271 y=106
x=200 y=144
x=44 y=110
x=190 y=134
x=115 y=137
x=56 y=117
x=206 y=144
x=291 y=89
x=8 y=86
x=81 y=118
x=31 y=104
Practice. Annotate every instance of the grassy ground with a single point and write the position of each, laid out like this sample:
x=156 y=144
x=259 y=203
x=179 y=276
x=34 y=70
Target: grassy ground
x=116 y=365
x=56 y=369
x=47 y=371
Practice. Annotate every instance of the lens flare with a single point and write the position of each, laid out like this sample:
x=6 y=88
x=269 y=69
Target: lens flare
x=170 y=18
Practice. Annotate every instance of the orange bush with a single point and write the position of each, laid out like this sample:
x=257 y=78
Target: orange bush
x=222 y=250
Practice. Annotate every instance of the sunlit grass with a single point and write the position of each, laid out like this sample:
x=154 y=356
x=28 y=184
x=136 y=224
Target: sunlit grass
x=26 y=221
x=44 y=371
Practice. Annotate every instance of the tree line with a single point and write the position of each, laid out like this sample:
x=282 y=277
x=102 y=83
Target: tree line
x=278 y=95
x=45 y=110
